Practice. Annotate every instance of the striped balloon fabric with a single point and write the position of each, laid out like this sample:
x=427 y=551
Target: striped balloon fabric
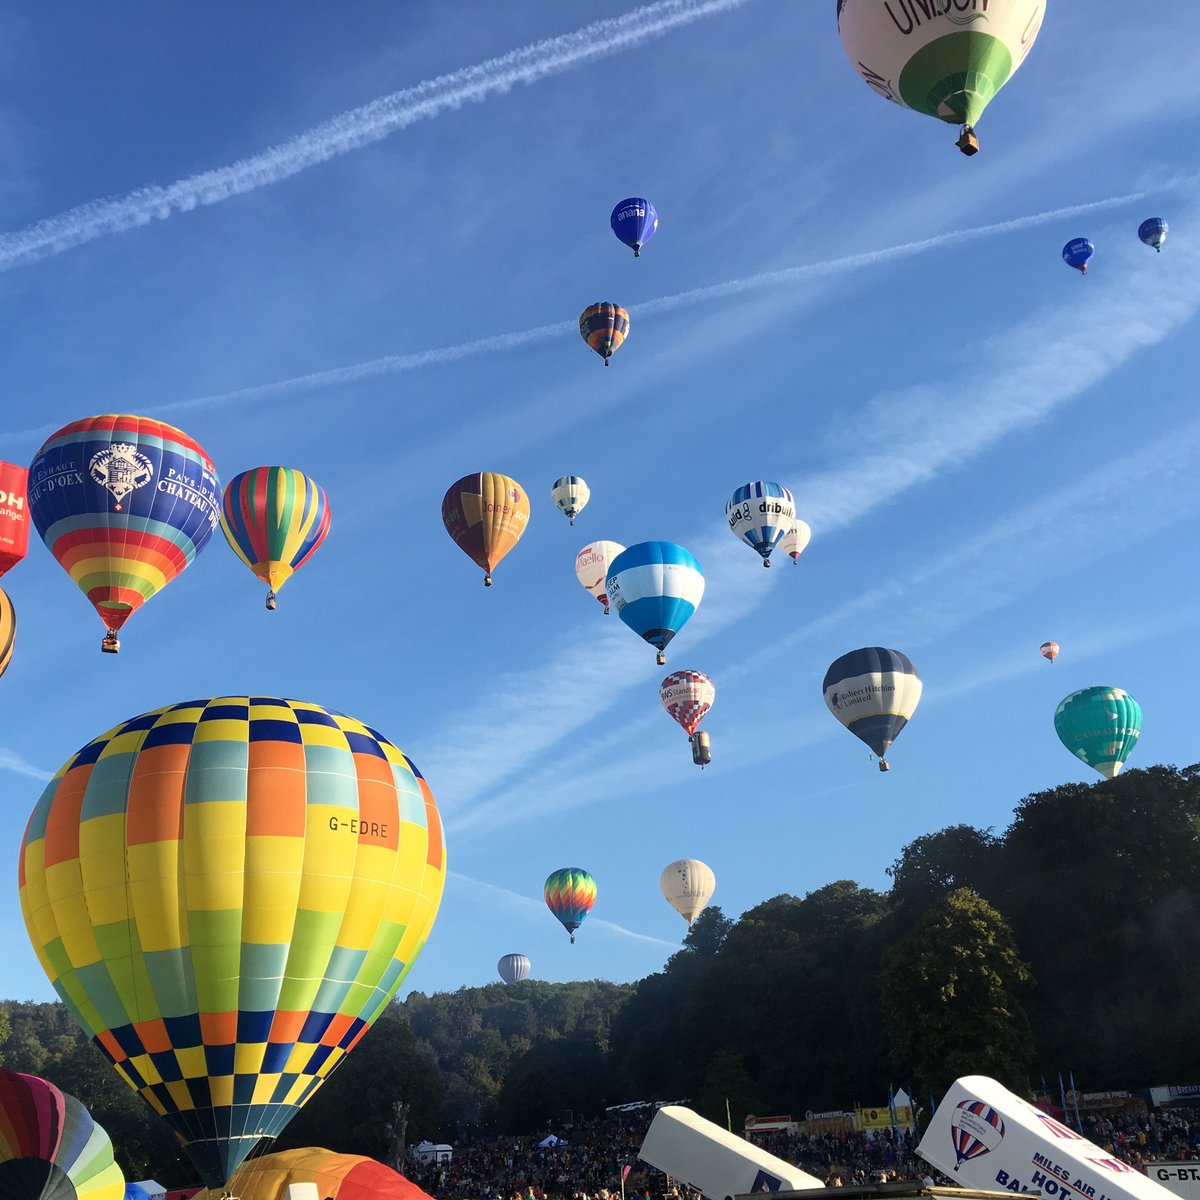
x=512 y=968
x=274 y=518
x=50 y=1148
x=655 y=588
x=873 y=692
x=486 y=514
x=1100 y=726
x=604 y=327
x=8 y=630
x=570 y=495
x=124 y=503
x=761 y=514
x=225 y=894
x=570 y=896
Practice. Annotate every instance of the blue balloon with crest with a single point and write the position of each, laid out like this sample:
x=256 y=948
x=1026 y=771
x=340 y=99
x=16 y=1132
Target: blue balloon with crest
x=635 y=222
x=1078 y=253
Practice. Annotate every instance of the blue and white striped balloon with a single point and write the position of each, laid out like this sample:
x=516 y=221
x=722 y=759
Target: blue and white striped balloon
x=655 y=587
x=760 y=514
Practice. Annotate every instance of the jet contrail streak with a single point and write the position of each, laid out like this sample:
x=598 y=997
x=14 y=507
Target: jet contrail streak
x=353 y=130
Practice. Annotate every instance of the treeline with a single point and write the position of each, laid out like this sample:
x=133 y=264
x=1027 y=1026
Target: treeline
x=1070 y=940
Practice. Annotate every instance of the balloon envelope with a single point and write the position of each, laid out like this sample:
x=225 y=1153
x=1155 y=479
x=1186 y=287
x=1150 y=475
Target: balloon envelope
x=592 y=564
x=604 y=327
x=687 y=696
x=570 y=894
x=796 y=540
x=1153 y=232
x=948 y=64
x=50 y=1148
x=124 y=503
x=485 y=513
x=635 y=222
x=512 y=968
x=655 y=586
x=761 y=514
x=1078 y=253
x=1050 y=650
x=688 y=885
x=274 y=518
x=570 y=495
x=873 y=692
x=1100 y=726
x=337 y=1177
x=225 y=894
x=8 y=630
x=14 y=517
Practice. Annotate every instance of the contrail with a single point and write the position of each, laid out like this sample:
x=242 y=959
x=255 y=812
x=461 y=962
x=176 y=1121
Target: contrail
x=353 y=130
x=395 y=364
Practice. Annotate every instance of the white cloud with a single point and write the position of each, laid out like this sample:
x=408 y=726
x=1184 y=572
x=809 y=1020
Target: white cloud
x=14 y=762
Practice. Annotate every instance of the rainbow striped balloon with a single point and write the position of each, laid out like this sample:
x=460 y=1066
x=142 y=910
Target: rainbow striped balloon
x=50 y=1148
x=124 y=503
x=225 y=894
x=274 y=518
x=570 y=896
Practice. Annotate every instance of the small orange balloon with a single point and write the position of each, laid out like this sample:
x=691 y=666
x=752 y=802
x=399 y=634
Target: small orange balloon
x=1050 y=650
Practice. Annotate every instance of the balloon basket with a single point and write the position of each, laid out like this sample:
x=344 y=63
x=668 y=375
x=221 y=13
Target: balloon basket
x=661 y=659
x=967 y=142
x=487 y=581
x=270 y=602
x=111 y=643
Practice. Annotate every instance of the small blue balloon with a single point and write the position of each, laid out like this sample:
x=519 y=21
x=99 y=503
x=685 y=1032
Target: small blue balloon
x=1077 y=253
x=634 y=221
x=1153 y=232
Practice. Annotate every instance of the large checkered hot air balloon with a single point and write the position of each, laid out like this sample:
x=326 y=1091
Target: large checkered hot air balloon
x=1100 y=726
x=50 y=1148
x=485 y=513
x=687 y=696
x=945 y=60
x=570 y=895
x=225 y=894
x=274 y=519
x=124 y=503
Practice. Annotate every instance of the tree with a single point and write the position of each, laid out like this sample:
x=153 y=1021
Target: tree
x=936 y=864
x=951 y=995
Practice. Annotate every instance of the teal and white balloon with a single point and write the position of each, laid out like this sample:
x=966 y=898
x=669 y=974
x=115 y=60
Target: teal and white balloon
x=760 y=514
x=945 y=58
x=570 y=494
x=1100 y=726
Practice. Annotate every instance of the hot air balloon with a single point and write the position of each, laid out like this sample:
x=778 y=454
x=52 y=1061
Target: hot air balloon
x=486 y=514
x=688 y=885
x=225 y=894
x=8 y=630
x=687 y=696
x=656 y=586
x=874 y=693
x=570 y=495
x=760 y=514
x=274 y=518
x=635 y=222
x=337 y=1177
x=512 y=968
x=604 y=327
x=124 y=503
x=1100 y=726
x=570 y=896
x=945 y=60
x=976 y=1129
x=796 y=540
x=1050 y=650
x=592 y=565
x=50 y=1148
x=14 y=520
x=1078 y=253
x=1153 y=232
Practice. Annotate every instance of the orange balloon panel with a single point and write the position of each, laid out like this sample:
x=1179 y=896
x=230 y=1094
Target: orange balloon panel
x=337 y=1176
x=486 y=514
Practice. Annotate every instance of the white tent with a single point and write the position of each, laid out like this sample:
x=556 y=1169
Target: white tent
x=551 y=1141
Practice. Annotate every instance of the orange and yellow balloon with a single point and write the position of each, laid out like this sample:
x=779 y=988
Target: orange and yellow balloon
x=225 y=894
x=337 y=1176
x=486 y=513
x=274 y=518
x=8 y=630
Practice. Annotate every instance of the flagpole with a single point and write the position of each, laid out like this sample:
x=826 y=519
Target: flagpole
x=1075 y=1095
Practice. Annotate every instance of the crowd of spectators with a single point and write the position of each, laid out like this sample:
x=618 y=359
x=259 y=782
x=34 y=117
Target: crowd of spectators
x=588 y=1165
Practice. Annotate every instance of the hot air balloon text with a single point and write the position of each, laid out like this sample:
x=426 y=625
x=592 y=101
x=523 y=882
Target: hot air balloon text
x=916 y=12
x=364 y=829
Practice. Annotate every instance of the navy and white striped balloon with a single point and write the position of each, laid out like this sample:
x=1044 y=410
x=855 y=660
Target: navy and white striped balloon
x=760 y=514
x=873 y=692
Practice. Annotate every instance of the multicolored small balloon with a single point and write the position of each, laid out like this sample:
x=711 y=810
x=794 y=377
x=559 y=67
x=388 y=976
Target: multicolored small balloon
x=604 y=327
x=1049 y=650
x=687 y=696
x=570 y=895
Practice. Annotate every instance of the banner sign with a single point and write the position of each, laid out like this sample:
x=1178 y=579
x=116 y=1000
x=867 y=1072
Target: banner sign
x=881 y=1118
x=14 y=515
x=1182 y=1178
x=984 y=1136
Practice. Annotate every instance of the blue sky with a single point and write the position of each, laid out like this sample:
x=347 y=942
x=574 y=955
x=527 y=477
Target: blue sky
x=991 y=450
